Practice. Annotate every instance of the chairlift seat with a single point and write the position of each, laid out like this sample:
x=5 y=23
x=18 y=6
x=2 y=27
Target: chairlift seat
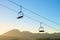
x=41 y=30
x=19 y=17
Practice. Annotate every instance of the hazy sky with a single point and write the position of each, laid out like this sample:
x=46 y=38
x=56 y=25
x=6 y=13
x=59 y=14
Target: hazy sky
x=47 y=8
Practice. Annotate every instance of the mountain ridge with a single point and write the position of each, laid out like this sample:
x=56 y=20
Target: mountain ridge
x=25 y=35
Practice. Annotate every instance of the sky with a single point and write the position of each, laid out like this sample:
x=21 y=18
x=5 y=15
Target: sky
x=47 y=8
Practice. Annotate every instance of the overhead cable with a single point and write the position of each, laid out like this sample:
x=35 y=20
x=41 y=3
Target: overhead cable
x=29 y=17
x=35 y=13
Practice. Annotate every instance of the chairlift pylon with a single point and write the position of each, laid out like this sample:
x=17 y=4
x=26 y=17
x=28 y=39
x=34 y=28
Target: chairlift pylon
x=41 y=29
x=20 y=13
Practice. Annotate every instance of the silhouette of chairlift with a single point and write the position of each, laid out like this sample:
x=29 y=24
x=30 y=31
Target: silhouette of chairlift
x=41 y=29
x=20 y=13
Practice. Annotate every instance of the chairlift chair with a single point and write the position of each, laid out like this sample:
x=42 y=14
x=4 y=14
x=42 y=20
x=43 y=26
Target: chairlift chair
x=20 y=13
x=41 y=29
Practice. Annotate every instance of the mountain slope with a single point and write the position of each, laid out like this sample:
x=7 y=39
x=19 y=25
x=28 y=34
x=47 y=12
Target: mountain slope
x=16 y=34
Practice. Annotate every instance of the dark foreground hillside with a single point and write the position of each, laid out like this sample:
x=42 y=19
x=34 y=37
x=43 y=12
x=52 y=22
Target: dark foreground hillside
x=17 y=35
x=47 y=39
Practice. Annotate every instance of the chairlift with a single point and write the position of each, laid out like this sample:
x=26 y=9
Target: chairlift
x=20 y=13
x=41 y=29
